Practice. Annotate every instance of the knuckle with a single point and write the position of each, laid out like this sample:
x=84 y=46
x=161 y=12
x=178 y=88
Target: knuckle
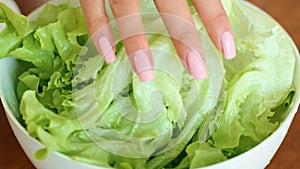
x=118 y=2
x=187 y=37
x=98 y=19
x=219 y=17
x=97 y=23
x=185 y=34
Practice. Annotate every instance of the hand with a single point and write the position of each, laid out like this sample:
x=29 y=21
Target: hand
x=28 y=6
x=182 y=31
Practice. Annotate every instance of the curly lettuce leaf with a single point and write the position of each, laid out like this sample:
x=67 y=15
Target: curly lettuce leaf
x=16 y=28
x=201 y=155
x=259 y=79
x=68 y=86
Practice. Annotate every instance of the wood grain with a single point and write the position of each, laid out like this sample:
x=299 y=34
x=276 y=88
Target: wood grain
x=287 y=13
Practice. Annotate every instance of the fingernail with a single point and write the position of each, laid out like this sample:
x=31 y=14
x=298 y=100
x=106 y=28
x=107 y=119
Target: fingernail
x=141 y=63
x=228 y=45
x=107 y=50
x=146 y=76
x=196 y=65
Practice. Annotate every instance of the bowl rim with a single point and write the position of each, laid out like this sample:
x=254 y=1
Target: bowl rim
x=283 y=126
x=286 y=123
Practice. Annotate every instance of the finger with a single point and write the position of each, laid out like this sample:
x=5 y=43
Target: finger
x=129 y=21
x=217 y=24
x=184 y=35
x=99 y=28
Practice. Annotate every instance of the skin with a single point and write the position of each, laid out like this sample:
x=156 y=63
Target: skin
x=27 y=6
x=182 y=31
x=178 y=22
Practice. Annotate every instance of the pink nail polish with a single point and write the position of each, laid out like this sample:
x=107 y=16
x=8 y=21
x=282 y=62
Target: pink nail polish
x=228 y=45
x=146 y=76
x=196 y=65
x=107 y=50
x=141 y=63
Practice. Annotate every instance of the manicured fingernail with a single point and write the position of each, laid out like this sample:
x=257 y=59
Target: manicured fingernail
x=107 y=50
x=196 y=65
x=146 y=76
x=228 y=45
x=141 y=63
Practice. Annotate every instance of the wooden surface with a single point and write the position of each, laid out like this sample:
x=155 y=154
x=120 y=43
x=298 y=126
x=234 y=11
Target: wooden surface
x=286 y=12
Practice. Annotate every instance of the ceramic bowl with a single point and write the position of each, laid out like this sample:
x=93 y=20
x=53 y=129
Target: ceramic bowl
x=256 y=158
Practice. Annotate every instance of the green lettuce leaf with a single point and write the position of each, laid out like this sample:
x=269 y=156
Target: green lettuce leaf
x=201 y=155
x=75 y=104
x=16 y=28
x=258 y=78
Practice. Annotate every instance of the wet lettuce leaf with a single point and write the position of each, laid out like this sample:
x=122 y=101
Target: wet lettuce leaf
x=74 y=103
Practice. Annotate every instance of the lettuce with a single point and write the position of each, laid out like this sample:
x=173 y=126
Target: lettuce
x=74 y=103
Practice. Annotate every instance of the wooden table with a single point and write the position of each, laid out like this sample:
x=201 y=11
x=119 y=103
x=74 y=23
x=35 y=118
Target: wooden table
x=288 y=157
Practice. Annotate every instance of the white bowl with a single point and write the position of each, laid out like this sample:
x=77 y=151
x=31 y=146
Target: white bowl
x=256 y=158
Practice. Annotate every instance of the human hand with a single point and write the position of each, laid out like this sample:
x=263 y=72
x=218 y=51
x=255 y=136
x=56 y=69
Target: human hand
x=27 y=7
x=182 y=31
